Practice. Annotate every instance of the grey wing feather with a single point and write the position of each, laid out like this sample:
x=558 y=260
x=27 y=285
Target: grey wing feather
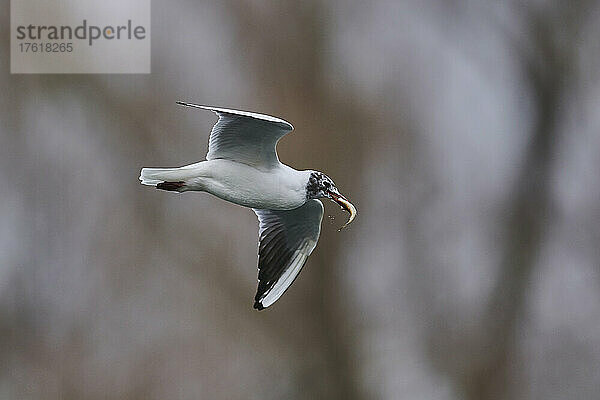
x=245 y=137
x=286 y=239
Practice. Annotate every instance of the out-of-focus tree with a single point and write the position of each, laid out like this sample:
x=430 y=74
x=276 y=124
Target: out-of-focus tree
x=464 y=132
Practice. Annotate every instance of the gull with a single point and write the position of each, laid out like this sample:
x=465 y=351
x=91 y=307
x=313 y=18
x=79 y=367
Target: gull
x=242 y=167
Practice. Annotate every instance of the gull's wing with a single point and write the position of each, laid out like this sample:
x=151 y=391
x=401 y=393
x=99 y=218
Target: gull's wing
x=245 y=137
x=286 y=239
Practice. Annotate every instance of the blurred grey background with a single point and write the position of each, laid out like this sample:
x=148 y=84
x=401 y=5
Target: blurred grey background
x=466 y=132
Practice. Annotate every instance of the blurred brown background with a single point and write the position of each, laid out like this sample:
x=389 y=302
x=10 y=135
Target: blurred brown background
x=466 y=132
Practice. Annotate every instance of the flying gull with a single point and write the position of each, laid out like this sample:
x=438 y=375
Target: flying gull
x=242 y=167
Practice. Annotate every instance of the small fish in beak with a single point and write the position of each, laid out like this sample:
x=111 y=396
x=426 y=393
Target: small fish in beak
x=346 y=205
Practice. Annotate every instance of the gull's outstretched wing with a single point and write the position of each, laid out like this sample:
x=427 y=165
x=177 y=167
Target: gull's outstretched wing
x=245 y=137
x=286 y=239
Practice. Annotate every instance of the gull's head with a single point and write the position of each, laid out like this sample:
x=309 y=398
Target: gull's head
x=320 y=185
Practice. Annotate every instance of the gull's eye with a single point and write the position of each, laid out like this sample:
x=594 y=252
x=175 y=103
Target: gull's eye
x=326 y=184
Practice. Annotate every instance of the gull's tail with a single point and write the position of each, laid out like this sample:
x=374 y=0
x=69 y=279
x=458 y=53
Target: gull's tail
x=171 y=179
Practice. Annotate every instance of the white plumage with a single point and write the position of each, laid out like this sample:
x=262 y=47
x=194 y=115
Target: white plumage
x=242 y=167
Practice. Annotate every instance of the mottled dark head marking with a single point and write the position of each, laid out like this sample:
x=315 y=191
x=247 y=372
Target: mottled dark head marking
x=318 y=185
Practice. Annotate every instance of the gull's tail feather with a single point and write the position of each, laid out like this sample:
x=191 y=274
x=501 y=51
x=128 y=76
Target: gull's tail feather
x=163 y=178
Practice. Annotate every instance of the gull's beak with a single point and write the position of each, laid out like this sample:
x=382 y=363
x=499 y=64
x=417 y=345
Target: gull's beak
x=346 y=205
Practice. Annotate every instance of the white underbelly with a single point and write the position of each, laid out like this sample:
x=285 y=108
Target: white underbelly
x=280 y=189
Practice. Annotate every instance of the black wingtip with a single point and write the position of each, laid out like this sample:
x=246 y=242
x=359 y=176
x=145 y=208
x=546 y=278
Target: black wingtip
x=183 y=103
x=258 y=306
